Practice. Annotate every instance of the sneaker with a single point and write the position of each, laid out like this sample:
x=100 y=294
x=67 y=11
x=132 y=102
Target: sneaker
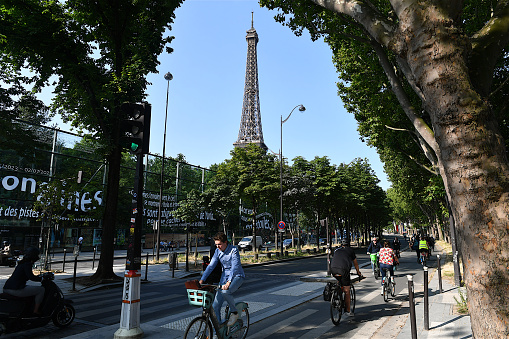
x=350 y=314
x=233 y=318
x=382 y=291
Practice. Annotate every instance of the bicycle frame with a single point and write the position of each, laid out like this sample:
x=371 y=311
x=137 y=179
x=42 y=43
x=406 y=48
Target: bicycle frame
x=223 y=332
x=341 y=296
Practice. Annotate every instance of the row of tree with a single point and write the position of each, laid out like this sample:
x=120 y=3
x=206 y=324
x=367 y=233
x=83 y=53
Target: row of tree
x=348 y=194
x=427 y=81
x=432 y=74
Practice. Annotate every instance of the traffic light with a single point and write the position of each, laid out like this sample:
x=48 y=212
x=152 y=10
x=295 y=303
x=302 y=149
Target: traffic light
x=136 y=129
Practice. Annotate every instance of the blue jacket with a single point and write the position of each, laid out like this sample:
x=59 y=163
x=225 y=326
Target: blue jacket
x=230 y=259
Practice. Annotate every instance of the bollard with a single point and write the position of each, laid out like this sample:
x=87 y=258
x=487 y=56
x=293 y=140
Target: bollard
x=412 y=306
x=146 y=268
x=93 y=259
x=74 y=275
x=175 y=261
x=63 y=266
x=439 y=274
x=286 y=253
x=269 y=255
x=308 y=251
x=426 y=300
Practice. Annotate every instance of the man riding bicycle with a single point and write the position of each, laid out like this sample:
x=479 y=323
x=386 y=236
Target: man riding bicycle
x=396 y=245
x=231 y=278
x=341 y=264
x=374 y=247
x=424 y=247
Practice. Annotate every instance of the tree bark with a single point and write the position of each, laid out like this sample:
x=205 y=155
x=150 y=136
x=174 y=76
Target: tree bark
x=464 y=136
x=474 y=167
x=109 y=221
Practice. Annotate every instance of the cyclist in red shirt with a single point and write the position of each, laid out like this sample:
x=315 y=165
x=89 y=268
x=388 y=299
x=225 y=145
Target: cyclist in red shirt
x=387 y=260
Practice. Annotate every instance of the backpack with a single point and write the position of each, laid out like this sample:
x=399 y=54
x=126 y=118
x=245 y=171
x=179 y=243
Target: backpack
x=327 y=291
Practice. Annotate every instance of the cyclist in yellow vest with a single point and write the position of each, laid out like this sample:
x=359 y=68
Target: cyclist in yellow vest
x=423 y=247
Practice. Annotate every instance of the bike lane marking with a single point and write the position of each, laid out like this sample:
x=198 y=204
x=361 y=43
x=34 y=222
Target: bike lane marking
x=266 y=333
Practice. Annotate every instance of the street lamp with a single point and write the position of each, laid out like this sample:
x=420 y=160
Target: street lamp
x=302 y=109
x=167 y=77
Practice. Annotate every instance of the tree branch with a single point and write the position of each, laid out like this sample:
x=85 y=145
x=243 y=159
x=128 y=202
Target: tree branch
x=373 y=22
x=419 y=124
x=487 y=46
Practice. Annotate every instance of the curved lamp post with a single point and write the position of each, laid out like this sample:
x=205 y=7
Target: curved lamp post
x=301 y=109
x=168 y=76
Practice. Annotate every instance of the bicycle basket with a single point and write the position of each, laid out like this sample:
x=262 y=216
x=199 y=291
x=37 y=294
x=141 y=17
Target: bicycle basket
x=200 y=297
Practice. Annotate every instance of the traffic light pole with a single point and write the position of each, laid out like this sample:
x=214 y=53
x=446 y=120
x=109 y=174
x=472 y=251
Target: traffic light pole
x=130 y=312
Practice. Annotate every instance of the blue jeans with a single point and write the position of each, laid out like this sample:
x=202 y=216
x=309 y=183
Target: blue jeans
x=390 y=267
x=226 y=295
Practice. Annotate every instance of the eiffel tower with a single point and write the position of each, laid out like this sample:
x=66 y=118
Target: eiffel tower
x=250 y=131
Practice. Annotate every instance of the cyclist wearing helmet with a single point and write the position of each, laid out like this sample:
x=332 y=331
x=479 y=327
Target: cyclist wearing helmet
x=341 y=264
x=16 y=285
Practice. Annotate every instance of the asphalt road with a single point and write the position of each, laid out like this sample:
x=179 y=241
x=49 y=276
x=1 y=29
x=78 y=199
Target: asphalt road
x=99 y=308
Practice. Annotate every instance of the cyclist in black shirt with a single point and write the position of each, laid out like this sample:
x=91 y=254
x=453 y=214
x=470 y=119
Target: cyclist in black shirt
x=341 y=263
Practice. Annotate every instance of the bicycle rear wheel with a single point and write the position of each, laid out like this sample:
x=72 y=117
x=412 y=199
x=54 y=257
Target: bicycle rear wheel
x=393 y=287
x=386 y=291
x=336 y=307
x=352 y=298
x=199 y=328
x=240 y=328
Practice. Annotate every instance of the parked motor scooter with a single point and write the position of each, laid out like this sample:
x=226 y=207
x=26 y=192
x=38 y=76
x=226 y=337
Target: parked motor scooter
x=16 y=313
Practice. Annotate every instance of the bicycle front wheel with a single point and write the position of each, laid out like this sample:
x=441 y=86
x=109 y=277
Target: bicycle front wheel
x=352 y=298
x=240 y=328
x=199 y=328
x=336 y=307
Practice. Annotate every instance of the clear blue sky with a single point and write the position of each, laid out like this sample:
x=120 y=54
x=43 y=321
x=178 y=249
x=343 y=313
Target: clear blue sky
x=206 y=93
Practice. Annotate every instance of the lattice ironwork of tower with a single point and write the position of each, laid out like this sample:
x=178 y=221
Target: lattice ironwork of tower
x=250 y=131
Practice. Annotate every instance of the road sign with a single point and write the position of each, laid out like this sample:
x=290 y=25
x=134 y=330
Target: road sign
x=281 y=225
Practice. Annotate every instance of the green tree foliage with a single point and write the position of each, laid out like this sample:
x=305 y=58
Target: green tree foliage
x=98 y=54
x=427 y=81
x=251 y=175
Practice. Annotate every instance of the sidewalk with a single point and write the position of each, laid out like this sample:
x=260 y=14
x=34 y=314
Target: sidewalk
x=444 y=321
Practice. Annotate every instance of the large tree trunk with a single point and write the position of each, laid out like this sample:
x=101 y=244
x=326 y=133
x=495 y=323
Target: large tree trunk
x=105 y=266
x=473 y=164
x=433 y=55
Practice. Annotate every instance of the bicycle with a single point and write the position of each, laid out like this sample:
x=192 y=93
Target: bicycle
x=423 y=258
x=389 y=286
x=375 y=264
x=337 y=301
x=201 y=326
